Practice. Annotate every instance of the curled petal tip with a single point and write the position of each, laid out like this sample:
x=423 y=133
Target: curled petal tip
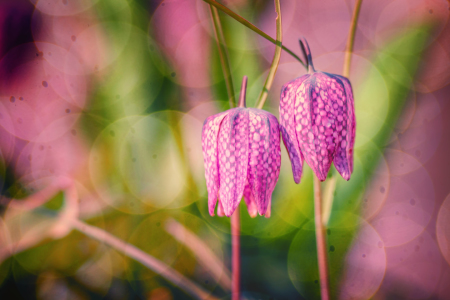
x=268 y=212
x=252 y=209
x=346 y=176
x=220 y=211
x=212 y=201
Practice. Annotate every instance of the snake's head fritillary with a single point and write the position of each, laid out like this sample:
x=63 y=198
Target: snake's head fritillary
x=241 y=151
x=317 y=120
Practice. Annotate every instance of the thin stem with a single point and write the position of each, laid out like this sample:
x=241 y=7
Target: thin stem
x=331 y=183
x=200 y=249
x=235 y=255
x=223 y=54
x=328 y=199
x=351 y=39
x=147 y=260
x=243 y=92
x=276 y=59
x=320 y=241
x=39 y=198
x=252 y=27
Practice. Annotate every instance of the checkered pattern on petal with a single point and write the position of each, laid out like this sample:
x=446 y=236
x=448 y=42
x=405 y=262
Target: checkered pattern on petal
x=343 y=160
x=233 y=158
x=320 y=120
x=263 y=133
x=250 y=202
x=210 y=134
x=274 y=161
x=289 y=93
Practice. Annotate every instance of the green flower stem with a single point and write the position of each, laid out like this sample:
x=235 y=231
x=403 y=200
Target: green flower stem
x=251 y=26
x=331 y=182
x=223 y=54
x=351 y=39
x=328 y=196
x=276 y=58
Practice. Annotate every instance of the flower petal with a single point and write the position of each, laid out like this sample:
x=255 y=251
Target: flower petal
x=315 y=116
x=210 y=133
x=250 y=201
x=233 y=158
x=262 y=140
x=287 y=124
x=343 y=160
x=274 y=162
x=220 y=211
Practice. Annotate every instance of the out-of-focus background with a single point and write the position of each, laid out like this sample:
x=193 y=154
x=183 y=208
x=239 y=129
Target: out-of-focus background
x=111 y=95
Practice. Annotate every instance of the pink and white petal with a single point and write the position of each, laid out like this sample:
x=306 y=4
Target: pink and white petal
x=274 y=161
x=287 y=125
x=220 y=211
x=269 y=209
x=312 y=144
x=233 y=158
x=343 y=123
x=259 y=154
x=250 y=201
x=350 y=126
x=210 y=134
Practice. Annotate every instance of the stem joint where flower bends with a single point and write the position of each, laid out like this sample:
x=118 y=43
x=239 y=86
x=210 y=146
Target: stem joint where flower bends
x=242 y=95
x=307 y=53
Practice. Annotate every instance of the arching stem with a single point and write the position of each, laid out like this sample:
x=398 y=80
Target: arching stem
x=252 y=27
x=351 y=39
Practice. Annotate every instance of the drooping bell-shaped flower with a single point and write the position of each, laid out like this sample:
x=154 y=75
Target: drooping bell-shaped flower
x=317 y=121
x=241 y=151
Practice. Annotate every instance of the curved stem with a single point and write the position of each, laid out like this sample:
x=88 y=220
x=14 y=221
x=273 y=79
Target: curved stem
x=252 y=27
x=320 y=241
x=223 y=54
x=235 y=255
x=200 y=249
x=276 y=58
x=351 y=39
x=147 y=260
x=331 y=184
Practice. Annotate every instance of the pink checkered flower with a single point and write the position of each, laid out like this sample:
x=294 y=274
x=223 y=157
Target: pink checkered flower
x=317 y=121
x=241 y=150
